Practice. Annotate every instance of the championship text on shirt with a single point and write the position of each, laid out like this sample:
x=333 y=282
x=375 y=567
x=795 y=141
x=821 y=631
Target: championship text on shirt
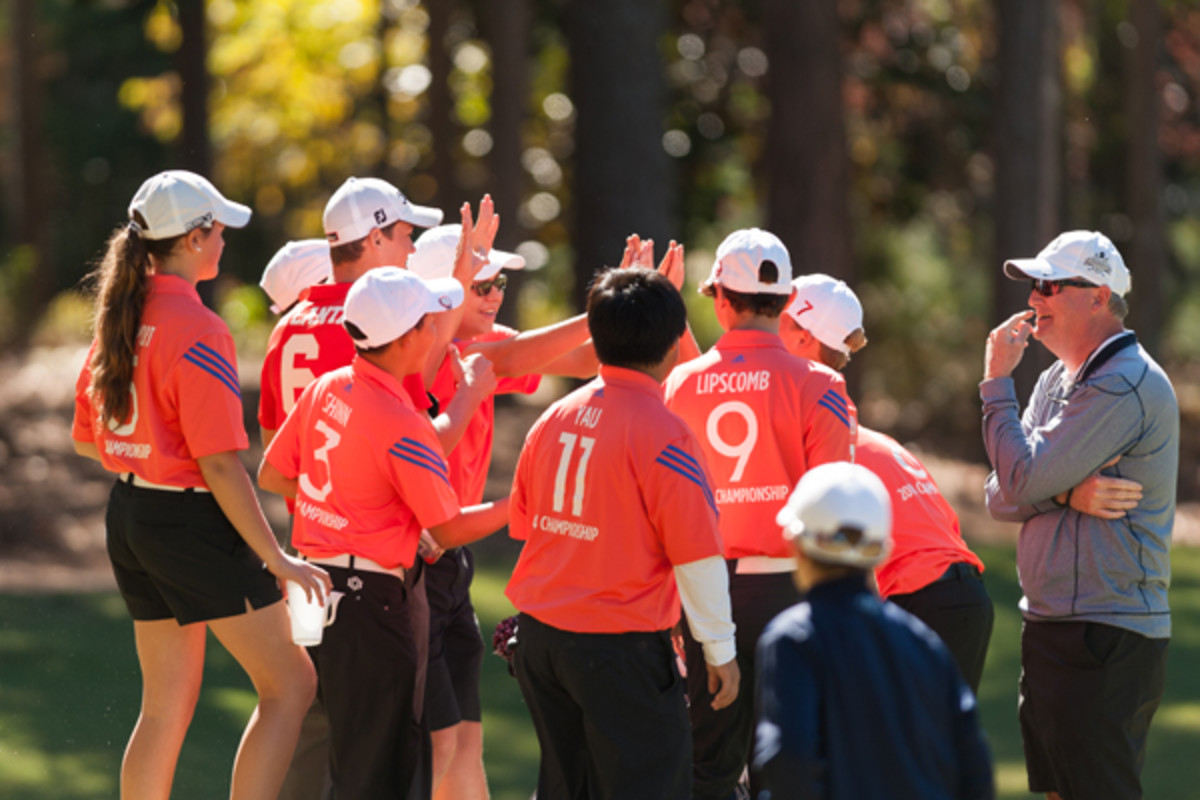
x=733 y=382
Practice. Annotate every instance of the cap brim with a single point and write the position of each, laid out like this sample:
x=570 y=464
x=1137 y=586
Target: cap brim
x=1022 y=269
x=444 y=294
x=499 y=260
x=234 y=215
x=422 y=216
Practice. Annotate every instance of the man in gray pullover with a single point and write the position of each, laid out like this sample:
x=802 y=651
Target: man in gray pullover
x=1089 y=471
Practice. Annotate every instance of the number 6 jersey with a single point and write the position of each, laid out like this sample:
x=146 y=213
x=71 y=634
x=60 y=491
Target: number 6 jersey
x=610 y=494
x=763 y=417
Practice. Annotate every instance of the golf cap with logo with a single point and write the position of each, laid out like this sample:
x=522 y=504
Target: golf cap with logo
x=177 y=201
x=436 y=248
x=1088 y=255
x=387 y=302
x=839 y=513
x=827 y=308
x=295 y=267
x=363 y=204
x=740 y=258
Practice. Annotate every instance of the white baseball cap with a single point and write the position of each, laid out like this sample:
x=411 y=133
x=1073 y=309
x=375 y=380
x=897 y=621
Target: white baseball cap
x=827 y=308
x=839 y=513
x=363 y=204
x=174 y=202
x=1089 y=255
x=387 y=302
x=739 y=258
x=436 y=248
x=295 y=267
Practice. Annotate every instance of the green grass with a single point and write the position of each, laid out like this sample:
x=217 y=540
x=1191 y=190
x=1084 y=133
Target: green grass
x=69 y=695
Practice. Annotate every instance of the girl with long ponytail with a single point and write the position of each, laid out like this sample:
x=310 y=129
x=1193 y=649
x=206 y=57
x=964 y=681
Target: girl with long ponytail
x=158 y=403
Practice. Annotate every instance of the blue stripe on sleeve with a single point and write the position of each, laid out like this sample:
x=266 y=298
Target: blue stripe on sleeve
x=216 y=373
x=416 y=453
x=836 y=409
x=675 y=459
x=836 y=399
x=216 y=359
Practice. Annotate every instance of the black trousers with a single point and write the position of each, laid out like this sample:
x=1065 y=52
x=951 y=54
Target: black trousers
x=959 y=610
x=367 y=665
x=1086 y=697
x=722 y=741
x=609 y=711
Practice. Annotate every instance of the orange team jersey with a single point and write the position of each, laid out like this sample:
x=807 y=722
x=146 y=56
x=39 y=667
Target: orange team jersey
x=611 y=492
x=307 y=342
x=186 y=402
x=764 y=417
x=471 y=457
x=925 y=534
x=359 y=423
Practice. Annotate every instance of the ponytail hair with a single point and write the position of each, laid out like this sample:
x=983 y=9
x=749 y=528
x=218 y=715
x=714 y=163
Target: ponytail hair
x=121 y=288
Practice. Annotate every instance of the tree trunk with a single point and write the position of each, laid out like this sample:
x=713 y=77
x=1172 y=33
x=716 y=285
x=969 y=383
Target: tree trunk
x=806 y=159
x=441 y=109
x=1147 y=252
x=508 y=26
x=191 y=62
x=1028 y=162
x=623 y=176
x=31 y=263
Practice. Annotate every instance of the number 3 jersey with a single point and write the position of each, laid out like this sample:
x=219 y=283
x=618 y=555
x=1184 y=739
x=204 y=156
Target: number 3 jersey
x=763 y=417
x=610 y=494
x=370 y=470
x=185 y=401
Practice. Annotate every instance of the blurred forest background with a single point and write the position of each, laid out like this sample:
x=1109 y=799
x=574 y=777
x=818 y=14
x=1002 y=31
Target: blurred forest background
x=907 y=146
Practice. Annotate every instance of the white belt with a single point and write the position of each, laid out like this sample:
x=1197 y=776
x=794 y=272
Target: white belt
x=134 y=479
x=761 y=565
x=347 y=561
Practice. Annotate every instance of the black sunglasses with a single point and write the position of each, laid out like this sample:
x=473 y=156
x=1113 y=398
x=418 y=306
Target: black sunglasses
x=484 y=288
x=1051 y=288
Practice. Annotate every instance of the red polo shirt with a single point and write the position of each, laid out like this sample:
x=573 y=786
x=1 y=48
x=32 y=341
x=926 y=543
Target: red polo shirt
x=358 y=423
x=611 y=492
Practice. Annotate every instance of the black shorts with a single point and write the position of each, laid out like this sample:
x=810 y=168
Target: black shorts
x=1087 y=694
x=175 y=554
x=455 y=643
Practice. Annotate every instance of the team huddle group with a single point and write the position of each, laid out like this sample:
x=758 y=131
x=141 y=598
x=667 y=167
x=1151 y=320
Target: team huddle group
x=709 y=539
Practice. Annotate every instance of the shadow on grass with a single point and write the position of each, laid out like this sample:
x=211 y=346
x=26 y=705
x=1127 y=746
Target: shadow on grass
x=69 y=696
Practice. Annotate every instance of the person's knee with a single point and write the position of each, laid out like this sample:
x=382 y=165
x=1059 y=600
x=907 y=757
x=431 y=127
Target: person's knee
x=469 y=741
x=445 y=746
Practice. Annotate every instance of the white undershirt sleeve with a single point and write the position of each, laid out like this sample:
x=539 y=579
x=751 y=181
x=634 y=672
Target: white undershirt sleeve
x=704 y=592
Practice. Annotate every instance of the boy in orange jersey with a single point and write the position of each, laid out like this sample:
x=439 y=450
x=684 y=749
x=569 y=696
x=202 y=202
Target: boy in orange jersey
x=931 y=573
x=613 y=501
x=763 y=418
x=361 y=421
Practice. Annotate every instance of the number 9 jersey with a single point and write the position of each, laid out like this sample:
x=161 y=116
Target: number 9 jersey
x=186 y=401
x=763 y=417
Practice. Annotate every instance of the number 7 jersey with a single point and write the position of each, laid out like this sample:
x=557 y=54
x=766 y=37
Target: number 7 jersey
x=610 y=494
x=763 y=417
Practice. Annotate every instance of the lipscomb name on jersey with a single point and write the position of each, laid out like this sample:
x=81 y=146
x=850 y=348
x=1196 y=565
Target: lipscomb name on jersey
x=564 y=527
x=753 y=494
x=324 y=518
x=317 y=316
x=733 y=382
x=127 y=449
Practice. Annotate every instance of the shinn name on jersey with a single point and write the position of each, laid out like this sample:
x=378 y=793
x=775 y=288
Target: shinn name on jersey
x=911 y=490
x=733 y=382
